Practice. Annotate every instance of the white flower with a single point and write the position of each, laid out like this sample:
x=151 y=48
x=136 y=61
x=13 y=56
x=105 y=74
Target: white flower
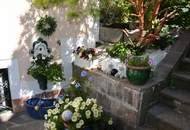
x=88 y=113
x=88 y=102
x=67 y=115
x=95 y=112
x=74 y=118
x=73 y=82
x=57 y=105
x=81 y=122
x=78 y=126
x=60 y=101
x=83 y=104
x=52 y=124
x=49 y=112
x=55 y=117
x=45 y=116
x=67 y=100
x=110 y=122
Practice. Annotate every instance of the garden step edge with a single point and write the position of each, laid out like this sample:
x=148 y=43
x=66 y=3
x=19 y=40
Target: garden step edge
x=164 y=118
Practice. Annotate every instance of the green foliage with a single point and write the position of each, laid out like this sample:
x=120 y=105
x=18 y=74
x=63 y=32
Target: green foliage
x=166 y=38
x=139 y=61
x=44 y=4
x=46 y=25
x=41 y=66
x=54 y=73
x=122 y=50
x=116 y=11
x=183 y=7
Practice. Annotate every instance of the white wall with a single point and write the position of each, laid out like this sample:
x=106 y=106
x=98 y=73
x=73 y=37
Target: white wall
x=18 y=19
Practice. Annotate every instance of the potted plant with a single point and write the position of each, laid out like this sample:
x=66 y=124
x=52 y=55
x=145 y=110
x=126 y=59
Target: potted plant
x=43 y=70
x=138 y=70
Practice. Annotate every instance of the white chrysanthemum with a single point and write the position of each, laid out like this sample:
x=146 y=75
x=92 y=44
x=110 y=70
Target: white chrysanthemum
x=110 y=122
x=78 y=126
x=95 y=106
x=55 y=117
x=95 y=112
x=49 y=112
x=57 y=105
x=52 y=125
x=88 y=102
x=60 y=101
x=83 y=105
x=74 y=118
x=67 y=100
x=88 y=113
x=81 y=122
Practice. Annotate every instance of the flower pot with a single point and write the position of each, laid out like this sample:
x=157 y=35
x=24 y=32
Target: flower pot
x=37 y=107
x=138 y=75
x=42 y=81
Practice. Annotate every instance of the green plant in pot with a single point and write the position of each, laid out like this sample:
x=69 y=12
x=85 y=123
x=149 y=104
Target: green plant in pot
x=41 y=68
x=138 y=70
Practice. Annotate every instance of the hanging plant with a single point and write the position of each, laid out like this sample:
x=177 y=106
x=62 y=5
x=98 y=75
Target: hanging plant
x=46 y=25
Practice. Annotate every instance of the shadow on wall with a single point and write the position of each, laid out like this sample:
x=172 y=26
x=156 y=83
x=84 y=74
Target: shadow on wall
x=69 y=33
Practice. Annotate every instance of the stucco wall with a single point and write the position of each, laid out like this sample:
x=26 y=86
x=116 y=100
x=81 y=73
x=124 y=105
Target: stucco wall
x=18 y=20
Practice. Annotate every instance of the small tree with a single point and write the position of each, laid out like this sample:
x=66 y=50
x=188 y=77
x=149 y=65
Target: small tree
x=152 y=16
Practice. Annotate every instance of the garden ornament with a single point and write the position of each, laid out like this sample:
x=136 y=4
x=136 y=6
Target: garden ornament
x=40 y=47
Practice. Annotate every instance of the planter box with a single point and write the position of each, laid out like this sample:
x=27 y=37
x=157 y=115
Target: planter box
x=108 y=34
x=87 y=64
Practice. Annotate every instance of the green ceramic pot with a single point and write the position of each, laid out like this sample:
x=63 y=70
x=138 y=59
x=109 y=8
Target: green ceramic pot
x=138 y=75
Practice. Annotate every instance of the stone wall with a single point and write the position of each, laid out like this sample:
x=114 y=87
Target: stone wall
x=127 y=103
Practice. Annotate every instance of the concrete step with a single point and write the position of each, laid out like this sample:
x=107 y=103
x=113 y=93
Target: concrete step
x=186 y=60
x=178 y=99
x=162 y=117
x=185 y=64
x=181 y=79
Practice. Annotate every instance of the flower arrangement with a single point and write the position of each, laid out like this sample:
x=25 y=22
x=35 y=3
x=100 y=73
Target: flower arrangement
x=77 y=114
x=85 y=53
x=46 y=25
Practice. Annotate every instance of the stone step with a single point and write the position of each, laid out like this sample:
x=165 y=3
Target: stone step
x=181 y=79
x=178 y=99
x=186 y=60
x=162 y=117
x=185 y=64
